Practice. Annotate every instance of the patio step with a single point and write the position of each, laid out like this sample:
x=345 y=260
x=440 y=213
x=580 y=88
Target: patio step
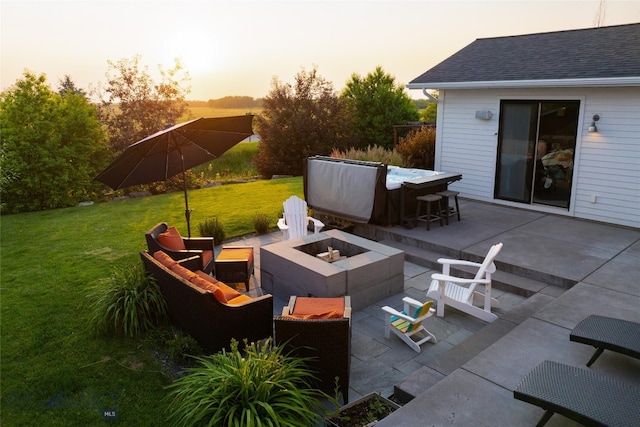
x=394 y=236
x=443 y=365
x=501 y=279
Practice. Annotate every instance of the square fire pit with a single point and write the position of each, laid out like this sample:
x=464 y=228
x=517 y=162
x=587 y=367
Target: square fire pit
x=369 y=271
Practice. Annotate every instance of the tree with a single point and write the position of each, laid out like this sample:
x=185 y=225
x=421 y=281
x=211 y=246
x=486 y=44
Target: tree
x=235 y=102
x=377 y=104
x=298 y=121
x=67 y=85
x=430 y=112
x=52 y=147
x=133 y=106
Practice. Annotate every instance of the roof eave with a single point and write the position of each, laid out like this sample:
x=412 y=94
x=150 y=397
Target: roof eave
x=591 y=82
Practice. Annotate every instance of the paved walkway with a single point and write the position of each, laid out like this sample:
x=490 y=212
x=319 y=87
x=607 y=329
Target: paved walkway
x=574 y=268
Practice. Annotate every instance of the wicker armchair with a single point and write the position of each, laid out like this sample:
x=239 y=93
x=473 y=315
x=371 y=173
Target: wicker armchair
x=327 y=342
x=195 y=246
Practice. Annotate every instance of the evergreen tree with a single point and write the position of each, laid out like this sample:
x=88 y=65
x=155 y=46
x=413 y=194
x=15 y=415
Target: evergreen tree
x=377 y=104
x=68 y=86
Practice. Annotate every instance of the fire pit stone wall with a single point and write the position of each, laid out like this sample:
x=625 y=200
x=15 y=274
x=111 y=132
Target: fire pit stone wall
x=370 y=272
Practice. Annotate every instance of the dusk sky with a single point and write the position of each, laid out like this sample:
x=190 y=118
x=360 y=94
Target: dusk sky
x=238 y=47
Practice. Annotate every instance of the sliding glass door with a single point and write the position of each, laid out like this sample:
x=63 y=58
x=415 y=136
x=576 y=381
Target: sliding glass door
x=536 y=146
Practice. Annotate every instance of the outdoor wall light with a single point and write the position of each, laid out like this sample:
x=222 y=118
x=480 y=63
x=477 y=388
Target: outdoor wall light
x=484 y=115
x=593 y=127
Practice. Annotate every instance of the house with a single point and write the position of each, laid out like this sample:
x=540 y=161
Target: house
x=547 y=121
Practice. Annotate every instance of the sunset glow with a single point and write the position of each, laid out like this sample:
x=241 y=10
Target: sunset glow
x=238 y=47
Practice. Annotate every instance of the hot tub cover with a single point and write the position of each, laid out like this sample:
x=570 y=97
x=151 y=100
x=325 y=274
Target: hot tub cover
x=344 y=188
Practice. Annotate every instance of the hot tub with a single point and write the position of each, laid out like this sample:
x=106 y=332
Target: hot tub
x=367 y=192
x=397 y=175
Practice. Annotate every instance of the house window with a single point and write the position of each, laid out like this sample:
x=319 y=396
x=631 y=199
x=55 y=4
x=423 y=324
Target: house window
x=536 y=147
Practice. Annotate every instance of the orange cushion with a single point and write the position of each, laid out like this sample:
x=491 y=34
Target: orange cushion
x=164 y=259
x=239 y=299
x=318 y=308
x=228 y=291
x=209 y=287
x=206 y=276
x=236 y=254
x=206 y=257
x=171 y=239
x=183 y=272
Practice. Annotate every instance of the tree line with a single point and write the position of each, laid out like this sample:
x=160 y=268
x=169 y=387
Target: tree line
x=55 y=142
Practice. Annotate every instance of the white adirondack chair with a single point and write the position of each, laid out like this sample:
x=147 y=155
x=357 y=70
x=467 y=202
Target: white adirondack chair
x=461 y=293
x=408 y=324
x=295 y=219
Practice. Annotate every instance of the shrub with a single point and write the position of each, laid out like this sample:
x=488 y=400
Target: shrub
x=261 y=223
x=213 y=228
x=263 y=386
x=179 y=347
x=129 y=303
x=418 y=148
x=372 y=153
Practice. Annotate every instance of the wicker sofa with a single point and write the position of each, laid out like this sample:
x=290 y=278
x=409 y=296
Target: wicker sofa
x=200 y=314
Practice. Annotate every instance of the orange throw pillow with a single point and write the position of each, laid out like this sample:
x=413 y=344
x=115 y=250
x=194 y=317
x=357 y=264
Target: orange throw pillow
x=164 y=259
x=171 y=239
x=228 y=291
x=209 y=287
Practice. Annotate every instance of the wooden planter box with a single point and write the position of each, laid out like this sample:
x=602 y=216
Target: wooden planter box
x=362 y=412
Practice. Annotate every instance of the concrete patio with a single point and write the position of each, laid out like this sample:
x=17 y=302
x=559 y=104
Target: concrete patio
x=553 y=272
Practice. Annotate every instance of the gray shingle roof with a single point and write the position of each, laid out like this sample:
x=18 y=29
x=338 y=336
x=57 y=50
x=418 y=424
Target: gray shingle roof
x=595 y=53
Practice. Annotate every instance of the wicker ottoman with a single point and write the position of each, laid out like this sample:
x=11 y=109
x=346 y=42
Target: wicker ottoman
x=234 y=264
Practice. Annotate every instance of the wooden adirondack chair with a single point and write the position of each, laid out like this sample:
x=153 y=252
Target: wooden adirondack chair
x=460 y=293
x=295 y=219
x=406 y=326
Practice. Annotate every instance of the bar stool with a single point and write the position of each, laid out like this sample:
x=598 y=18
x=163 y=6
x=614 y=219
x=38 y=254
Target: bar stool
x=450 y=211
x=429 y=199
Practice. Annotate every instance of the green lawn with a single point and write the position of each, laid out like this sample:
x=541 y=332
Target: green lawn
x=55 y=371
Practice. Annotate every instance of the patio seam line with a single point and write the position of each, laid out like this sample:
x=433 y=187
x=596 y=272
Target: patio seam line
x=549 y=322
x=484 y=379
x=606 y=288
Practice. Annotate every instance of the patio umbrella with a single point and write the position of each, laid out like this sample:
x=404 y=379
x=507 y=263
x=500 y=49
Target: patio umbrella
x=174 y=150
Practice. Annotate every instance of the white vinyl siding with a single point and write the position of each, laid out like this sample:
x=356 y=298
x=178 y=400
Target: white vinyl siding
x=468 y=145
x=607 y=163
x=610 y=158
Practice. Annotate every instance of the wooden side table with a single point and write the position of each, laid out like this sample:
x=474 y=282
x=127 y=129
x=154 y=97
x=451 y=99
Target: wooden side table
x=234 y=264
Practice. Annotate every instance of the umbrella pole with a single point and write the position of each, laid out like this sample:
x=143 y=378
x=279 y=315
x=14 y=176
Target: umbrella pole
x=187 y=211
